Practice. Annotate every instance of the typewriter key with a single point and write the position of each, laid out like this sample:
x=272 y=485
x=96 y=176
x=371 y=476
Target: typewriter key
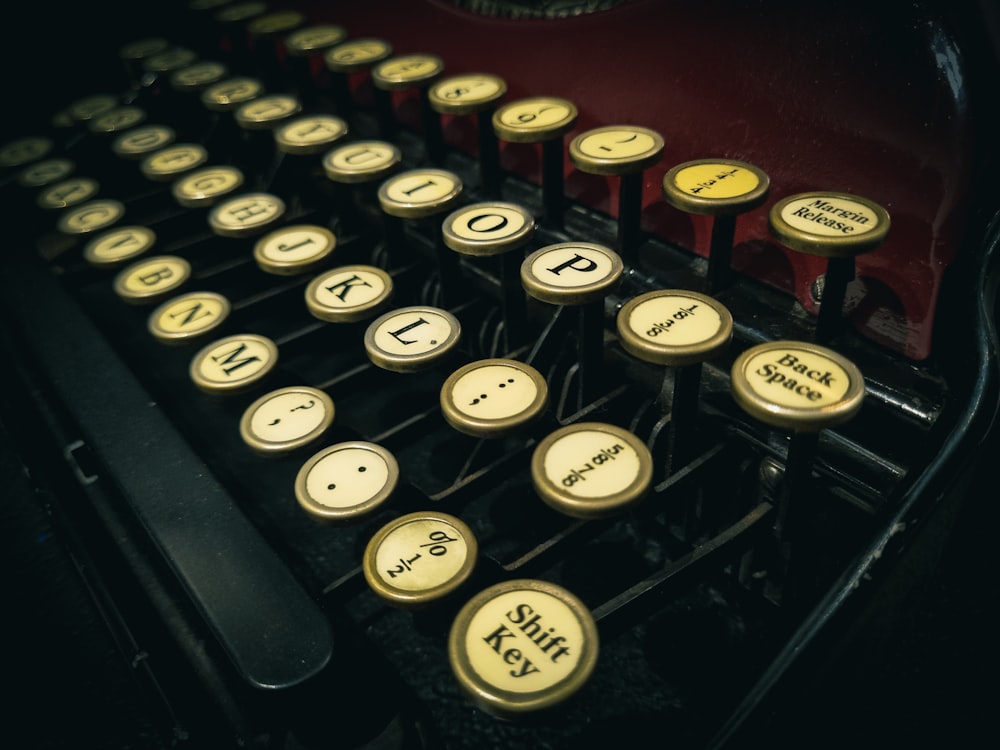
x=92 y=216
x=349 y=294
x=246 y=215
x=228 y=95
x=346 y=481
x=286 y=419
x=23 y=151
x=206 y=187
x=350 y=59
x=309 y=135
x=140 y=142
x=591 y=470
x=119 y=245
x=267 y=112
x=69 y=192
x=189 y=317
x=152 y=279
x=169 y=163
x=117 y=120
x=410 y=73
x=44 y=173
x=311 y=40
x=361 y=162
x=234 y=364
x=522 y=646
x=295 y=249
x=198 y=76
x=493 y=398
x=86 y=109
x=410 y=339
x=420 y=558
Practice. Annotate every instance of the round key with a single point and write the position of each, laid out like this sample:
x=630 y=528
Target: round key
x=119 y=245
x=305 y=48
x=286 y=419
x=417 y=193
x=69 y=192
x=577 y=274
x=117 y=120
x=349 y=59
x=246 y=215
x=133 y=54
x=474 y=94
x=47 y=172
x=723 y=189
x=522 y=646
x=624 y=151
x=410 y=339
x=680 y=329
x=346 y=481
x=835 y=226
x=169 y=163
x=267 y=112
x=92 y=216
x=234 y=364
x=493 y=398
x=309 y=135
x=228 y=95
x=312 y=40
x=591 y=470
x=410 y=73
x=348 y=294
x=420 y=558
x=169 y=61
x=140 y=142
x=197 y=77
x=295 y=249
x=23 y=151
x=152 y=279
x=275 y=23
x=206 y=187
x=544 y=120
x=87 y=108
x=189 y=317
x=361 y=162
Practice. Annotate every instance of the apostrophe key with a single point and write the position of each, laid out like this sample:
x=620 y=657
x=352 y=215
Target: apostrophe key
x=541 y=120
x=722 y=189
x=398 y=76
x=591 y=470
x=835 y=226
x=189 y=318
x=623 y=151
x=802 y=388
x=286 y=420
x=523 y=646
x=496 y=229
x=678 y=329
x=578 y=275
x=478 y=94
x=410 y=339
x=423 y=194
x=350 y=63
x=420 y=559
x=494 y=398
x=234 y=364
x=346 y=481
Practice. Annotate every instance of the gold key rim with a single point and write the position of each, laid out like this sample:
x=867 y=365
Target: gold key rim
x=457 y=414
x=251 y=430
x=344 y=513
x=716 y=187
x=829 y=224
x=645 y=326
x=167 y=333
x=608 y=263
x=588 y=158
x=521 y=121
x=402 y=360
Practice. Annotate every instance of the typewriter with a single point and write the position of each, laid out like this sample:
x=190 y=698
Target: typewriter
x=456 y=374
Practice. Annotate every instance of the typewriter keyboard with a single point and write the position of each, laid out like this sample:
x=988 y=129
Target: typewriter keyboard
x=433 y=454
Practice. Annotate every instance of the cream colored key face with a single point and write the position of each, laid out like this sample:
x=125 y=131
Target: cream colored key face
x=346 y=481
x=571 y=273
x=139 y=142
x=234 y=363
x=406 y=71
x=70 y=192
x=797 y=385
x=831 y=225
x=533 y=120
x=419 y=192
x=278 y=22
x=140 y=49
x=312 y=134
x=357 y=54
x=169 y=61
x=246 y=215
x=493 y=397
x=716 y=187
x=522 y=646
x=89 y=107
x=616 y=149
x=44 y=173
x=231 y=93
x=118 y=119
x=151 y=279
x=466 y=93
x=295 y=249
x=286 y=419
x=207 y=186
x=237 y=12
x=171 y=162
x=189 y=317
x=591 y=470
x=364 y=161
x=674 y=327
x=198 y=76
x=420 y=558
x=92 y=216
x=313 y=39
x=488 y=228
x=348 y=294
x=265 y=112
x=119 y=245
x=23 y=151
x=409 y=339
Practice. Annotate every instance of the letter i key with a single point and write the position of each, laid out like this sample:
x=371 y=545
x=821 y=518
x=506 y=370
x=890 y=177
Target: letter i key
x=804 y=388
